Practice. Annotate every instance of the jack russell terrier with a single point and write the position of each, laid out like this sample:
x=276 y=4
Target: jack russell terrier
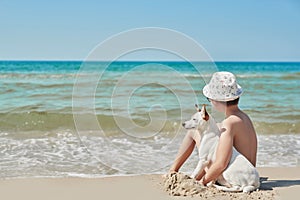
x=240 y=174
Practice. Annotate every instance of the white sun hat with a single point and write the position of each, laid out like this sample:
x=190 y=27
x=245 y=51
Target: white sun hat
x=222 y=87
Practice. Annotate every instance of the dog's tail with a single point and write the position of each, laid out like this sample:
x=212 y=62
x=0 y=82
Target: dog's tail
x=227 y=189
x=246 y=189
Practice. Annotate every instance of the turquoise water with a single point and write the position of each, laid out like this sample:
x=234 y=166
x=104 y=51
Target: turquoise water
x=36 y=91
x=37 y=106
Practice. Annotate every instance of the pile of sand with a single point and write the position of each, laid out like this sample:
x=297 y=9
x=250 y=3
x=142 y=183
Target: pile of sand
x=178 y=184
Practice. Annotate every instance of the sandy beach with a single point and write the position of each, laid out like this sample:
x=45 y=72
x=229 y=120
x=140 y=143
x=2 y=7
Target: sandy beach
x=95 y=97
x=278 y=183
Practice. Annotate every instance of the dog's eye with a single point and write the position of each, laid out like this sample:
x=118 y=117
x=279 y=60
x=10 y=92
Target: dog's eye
x=194 y=119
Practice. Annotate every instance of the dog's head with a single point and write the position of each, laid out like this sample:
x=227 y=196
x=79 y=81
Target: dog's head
x=198 y=119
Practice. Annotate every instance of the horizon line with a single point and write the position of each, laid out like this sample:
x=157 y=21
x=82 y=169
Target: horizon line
x=78 y=60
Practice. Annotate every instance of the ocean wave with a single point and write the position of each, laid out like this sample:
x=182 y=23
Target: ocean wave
x=74 y=75
x=193 y=75
x=47 y=154
x=25 y=76
x=253 y=76
x=246 y=75
x=294 y=76
x=62 y=153
x=263 y=75
x=51 y=120
x=277 y=127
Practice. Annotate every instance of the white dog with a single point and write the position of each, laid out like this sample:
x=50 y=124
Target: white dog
x=240 y=174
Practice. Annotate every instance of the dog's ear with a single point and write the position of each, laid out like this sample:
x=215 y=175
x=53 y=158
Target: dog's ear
x=205 y=115
x=197 y=108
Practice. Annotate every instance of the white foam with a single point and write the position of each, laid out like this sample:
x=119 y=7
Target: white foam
x=61 y=154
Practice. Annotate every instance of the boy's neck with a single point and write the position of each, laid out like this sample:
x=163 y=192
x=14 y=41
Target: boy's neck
x=231 y=110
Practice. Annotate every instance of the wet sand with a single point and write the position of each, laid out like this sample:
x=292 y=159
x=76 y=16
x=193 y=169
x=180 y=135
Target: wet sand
x=277 y=183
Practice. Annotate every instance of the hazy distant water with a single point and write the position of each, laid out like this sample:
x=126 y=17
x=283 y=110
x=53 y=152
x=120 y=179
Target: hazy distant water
x=37 y=132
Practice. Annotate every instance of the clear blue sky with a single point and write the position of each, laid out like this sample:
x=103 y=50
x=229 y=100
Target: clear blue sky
x=256 y=30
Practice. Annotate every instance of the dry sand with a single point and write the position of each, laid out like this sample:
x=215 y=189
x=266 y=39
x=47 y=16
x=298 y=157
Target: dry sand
x=278 y=183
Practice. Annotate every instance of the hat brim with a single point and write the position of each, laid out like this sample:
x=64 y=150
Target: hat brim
x=207 y=93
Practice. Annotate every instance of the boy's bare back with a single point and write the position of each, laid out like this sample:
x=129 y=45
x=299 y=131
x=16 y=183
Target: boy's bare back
x=244 y=136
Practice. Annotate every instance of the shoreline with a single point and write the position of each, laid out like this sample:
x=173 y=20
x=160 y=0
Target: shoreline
x=278 y=182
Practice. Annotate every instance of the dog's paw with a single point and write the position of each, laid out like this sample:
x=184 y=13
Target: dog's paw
x=200 y=182
x=210 y=184
x=192 y=176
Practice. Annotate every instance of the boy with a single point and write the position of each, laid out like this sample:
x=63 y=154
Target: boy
x=236 y=129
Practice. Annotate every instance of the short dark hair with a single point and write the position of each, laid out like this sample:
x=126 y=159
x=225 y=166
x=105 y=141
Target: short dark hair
x=233 y=102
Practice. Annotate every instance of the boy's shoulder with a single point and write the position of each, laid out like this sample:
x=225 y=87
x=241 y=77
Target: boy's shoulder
x=232 y=121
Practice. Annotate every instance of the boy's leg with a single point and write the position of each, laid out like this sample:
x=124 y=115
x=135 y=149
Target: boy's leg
x=191 y=138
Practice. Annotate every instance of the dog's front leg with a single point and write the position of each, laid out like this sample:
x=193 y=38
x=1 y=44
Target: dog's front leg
x=199 y=171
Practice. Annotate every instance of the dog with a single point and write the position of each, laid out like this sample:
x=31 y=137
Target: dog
x=240 y=175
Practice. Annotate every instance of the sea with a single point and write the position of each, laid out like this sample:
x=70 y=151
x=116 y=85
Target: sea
x=97 y=119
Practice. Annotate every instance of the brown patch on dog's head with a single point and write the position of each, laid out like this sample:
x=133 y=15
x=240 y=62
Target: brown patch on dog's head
x=205 y=115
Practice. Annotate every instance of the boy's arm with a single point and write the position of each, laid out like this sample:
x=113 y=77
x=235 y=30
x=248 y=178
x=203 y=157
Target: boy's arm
x=223 y=154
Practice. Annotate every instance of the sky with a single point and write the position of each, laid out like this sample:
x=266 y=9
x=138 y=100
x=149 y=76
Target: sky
x=256 y=30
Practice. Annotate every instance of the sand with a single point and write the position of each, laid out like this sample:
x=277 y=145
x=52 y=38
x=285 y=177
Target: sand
x=178 y=184
x=278 y=183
